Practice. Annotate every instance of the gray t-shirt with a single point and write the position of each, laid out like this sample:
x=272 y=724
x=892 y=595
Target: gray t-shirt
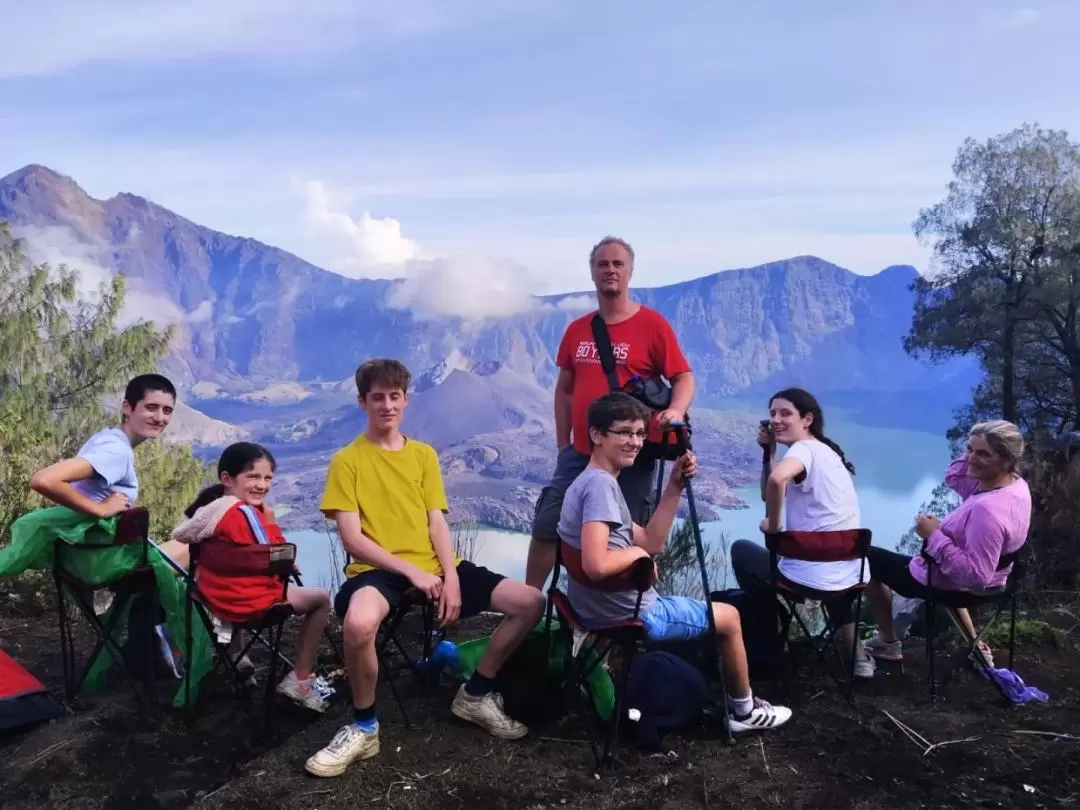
x=595 y=496
x=110 y=453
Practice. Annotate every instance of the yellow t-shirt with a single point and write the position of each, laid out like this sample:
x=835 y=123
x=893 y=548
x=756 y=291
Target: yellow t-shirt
x=392 y=491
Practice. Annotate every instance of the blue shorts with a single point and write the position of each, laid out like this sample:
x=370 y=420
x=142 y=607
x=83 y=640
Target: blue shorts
x=676 y=618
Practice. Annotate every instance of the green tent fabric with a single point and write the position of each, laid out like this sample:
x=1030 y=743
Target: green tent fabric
x=31 y=548
x=601 y=686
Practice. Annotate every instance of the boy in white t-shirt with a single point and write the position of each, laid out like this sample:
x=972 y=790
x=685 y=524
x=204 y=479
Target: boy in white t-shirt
x=812 y=485
x=101 y=479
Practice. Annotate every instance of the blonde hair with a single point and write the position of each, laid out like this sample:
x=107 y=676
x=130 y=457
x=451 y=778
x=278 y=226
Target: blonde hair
x=1004 y=438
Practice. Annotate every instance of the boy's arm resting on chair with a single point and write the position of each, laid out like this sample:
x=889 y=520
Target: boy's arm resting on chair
x=55 y=483
x=598 y=561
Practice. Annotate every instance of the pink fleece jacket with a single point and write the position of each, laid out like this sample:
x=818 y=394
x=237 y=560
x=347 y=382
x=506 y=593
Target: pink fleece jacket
x=971 y=538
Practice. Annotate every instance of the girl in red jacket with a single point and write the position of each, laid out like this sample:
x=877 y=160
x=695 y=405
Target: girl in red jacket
x=235 y=511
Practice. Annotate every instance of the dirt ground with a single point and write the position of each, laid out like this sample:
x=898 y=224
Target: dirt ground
x=109 y=753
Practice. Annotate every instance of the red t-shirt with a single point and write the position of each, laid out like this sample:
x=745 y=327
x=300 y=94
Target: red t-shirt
x=233 y=598
x=644 y=345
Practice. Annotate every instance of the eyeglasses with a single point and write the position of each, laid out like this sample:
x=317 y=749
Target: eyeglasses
x=627 y=435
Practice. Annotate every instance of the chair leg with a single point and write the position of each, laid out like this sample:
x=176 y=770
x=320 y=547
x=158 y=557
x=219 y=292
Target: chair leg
x=1012 y=630
x=612 y=741
x=931 y=609
x=271 y=675
x=188 y=644
x=65 y=641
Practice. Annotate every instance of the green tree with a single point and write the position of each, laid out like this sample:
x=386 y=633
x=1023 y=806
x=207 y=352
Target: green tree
x=678 y=567
x=999 y=239
x=170 y=477
x=61 y=355
x=942 y=501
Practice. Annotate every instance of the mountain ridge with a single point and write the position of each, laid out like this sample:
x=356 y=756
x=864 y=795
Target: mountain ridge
x=267 y=344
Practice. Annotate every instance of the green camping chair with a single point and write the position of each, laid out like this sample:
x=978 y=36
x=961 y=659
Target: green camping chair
x=80 y=571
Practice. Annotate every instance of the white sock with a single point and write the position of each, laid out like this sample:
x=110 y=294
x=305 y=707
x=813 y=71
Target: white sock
x=740 y=707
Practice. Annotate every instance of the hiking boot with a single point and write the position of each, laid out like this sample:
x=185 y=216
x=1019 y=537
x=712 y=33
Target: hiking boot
x=762 y=717
x=884 y=650
x=349 y=744
x=987 y=655
x=487 y=711
x=312 y=693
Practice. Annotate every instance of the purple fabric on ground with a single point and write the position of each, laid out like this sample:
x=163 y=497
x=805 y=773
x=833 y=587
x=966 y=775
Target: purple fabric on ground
x=1014 y=686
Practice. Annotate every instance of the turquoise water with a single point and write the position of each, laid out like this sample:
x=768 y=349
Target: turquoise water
x=895 y=472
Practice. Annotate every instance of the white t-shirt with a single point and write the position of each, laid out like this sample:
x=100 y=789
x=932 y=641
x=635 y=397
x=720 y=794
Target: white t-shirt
x=824 y=501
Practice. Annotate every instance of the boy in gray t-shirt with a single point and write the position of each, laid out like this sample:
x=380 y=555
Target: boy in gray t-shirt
x=596 y=521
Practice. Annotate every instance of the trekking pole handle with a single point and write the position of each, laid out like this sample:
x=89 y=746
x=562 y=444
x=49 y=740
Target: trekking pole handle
x=682 y=438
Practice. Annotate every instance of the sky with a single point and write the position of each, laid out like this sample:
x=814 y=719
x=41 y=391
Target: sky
x=502 y=139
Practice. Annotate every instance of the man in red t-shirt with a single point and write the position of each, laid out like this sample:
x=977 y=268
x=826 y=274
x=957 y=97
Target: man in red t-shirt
x=643 y=344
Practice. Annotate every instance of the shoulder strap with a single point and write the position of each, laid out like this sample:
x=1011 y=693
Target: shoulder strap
x=603 y=348
x=257 y=529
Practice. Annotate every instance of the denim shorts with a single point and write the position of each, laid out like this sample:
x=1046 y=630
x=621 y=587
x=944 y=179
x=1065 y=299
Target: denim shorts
x=676 y=618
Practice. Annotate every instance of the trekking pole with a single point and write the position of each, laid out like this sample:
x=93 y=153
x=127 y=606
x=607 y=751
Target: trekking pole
x=682 y=440
x=683 y=443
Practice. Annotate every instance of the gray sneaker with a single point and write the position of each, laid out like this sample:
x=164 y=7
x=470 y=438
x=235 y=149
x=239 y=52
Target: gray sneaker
x=885 y=650
x=348 y=745
x=488 y=712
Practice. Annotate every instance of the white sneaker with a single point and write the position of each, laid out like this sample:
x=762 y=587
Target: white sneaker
x=987 y=655
x=348 y=745
x=313 y=693
x=488 y=712
x=865 y=665
x=763 y=716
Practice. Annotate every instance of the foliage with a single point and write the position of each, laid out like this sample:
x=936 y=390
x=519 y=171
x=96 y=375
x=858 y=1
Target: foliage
x=1006 y=240
x=61 y=353
x=942 y=501
x=678 y=567
x=170 y=476
x=1029 y=633
x=466 y=538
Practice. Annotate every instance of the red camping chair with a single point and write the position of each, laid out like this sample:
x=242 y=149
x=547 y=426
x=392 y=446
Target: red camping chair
x=132 y=528
x=627 y=636
x=822 y=547
x=230 y=559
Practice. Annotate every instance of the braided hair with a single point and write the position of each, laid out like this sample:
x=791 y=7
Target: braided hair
x=805 y=403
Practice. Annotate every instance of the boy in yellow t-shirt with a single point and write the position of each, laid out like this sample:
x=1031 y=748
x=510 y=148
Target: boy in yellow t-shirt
x=385 y=493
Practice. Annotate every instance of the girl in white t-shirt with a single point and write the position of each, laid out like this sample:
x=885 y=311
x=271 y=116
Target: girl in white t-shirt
x=812 y=484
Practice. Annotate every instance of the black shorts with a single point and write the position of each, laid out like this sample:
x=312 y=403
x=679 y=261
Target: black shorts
x=477 y=584
x=891 y=568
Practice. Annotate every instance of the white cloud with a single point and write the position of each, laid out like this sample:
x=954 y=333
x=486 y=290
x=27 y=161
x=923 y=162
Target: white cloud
x=1020 y=18
x=577 y=303
x=464 y=287
x=365 y=247
x=57 y=245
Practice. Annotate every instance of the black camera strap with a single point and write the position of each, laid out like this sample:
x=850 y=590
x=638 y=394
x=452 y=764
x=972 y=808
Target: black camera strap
x=603 y=348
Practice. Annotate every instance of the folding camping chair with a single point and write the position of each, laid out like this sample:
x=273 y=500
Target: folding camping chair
x=230 y=559
x=822 y=547
x=390 y=633
x=132 y=529
x=998 y=598
x=627 y=636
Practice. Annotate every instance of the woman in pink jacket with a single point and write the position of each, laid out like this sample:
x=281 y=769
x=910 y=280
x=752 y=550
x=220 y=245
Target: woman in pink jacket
x=992 y=520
